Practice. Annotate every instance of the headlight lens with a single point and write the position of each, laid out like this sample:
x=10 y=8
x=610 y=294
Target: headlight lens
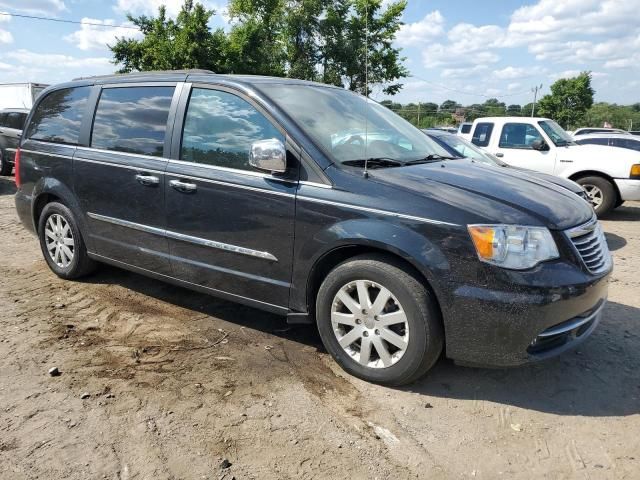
x=513 y=246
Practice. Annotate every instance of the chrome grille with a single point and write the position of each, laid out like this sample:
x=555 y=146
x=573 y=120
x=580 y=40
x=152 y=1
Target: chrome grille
x=591 y=245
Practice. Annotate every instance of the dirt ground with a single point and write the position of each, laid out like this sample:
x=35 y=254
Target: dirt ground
x=158 y=382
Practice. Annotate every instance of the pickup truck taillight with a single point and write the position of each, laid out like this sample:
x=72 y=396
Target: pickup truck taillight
x=635 y=171
x=16 y=167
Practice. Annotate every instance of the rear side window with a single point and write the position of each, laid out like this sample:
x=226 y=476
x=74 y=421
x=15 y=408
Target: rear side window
x=518 y=135
x=58 y=116
x=482 y=134
x=625 y=143
x=593 y=141
x=466 y=128
x=132 y=119
x=219 y=129
x=3 y=119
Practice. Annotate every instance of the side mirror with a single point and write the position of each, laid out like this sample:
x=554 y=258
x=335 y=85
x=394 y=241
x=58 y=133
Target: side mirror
x=268 y=156
x=540 y=145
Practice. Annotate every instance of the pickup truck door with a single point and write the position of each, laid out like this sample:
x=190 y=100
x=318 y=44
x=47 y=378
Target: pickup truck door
x=513 y=144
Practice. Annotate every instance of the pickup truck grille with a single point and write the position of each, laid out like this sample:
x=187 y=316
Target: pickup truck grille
x=591 y=244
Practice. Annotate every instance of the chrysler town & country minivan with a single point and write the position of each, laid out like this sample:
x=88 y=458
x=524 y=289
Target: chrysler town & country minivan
x=313 y=202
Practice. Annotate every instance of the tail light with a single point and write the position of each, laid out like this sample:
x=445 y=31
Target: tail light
x=16 y=167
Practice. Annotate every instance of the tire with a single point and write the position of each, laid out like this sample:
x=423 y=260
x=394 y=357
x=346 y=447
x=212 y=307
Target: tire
x=5 y=166
x=421 y=327
x=619 y=203
x=601 y=192
x=59 y=234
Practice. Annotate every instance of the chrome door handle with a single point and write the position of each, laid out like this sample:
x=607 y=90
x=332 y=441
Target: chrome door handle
x=499 y=155
x=183 y=186
x=148 y=180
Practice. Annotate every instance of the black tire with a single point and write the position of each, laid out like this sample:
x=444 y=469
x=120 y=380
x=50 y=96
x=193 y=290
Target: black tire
x=425 y=339
x=80 y=263
x=619 y=203
x=608 y=191
x=5 y=166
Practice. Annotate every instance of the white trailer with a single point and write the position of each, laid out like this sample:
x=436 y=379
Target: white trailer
x=19 y=95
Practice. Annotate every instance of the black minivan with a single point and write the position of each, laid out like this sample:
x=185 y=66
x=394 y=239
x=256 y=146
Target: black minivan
x=313 y=202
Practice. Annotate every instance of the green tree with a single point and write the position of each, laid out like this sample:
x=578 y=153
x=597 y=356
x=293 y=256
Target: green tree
x=356 y=34
x=569 y=101
x=449 y=106
x=514 y=110
x=186 y=42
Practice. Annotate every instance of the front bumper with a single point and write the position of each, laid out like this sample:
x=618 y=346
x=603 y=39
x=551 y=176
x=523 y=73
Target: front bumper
x=629 y=188
x=510 y=327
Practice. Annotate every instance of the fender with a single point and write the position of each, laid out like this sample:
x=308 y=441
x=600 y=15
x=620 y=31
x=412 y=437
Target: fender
x=396 y=238
x=52 y=186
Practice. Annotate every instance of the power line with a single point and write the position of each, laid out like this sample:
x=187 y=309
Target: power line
x=59 y=20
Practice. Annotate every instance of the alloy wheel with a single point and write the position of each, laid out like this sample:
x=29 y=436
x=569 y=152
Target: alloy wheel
x=59 y=240
x=370 y=324
x=595 y=195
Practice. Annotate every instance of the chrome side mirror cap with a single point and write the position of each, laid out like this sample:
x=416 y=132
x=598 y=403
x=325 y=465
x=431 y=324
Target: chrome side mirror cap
x=268 y=156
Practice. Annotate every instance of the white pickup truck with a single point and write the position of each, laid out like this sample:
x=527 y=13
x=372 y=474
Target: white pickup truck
x=609 y=175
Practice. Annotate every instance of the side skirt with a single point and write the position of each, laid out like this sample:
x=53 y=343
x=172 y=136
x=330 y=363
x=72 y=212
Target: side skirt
x=192 y=286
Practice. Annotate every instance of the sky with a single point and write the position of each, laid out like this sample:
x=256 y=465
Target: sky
x=463 y=50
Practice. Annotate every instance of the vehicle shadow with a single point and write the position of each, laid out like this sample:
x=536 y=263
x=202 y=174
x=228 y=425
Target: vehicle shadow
x=597 y=379
x=628 y=211
x=7 y=186
x=615 y=242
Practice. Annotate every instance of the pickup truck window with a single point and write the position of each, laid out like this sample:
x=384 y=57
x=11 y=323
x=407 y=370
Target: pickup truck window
x=518 y=135
x=482 y=134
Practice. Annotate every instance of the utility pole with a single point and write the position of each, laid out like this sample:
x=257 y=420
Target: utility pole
x=535 y=91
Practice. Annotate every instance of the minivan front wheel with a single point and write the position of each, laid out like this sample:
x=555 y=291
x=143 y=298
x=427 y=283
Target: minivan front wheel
x=62 y=243
x=379 y=321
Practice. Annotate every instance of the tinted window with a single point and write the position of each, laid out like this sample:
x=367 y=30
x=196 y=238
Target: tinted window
x=3 y=119
x=219 y=129
x=593 y=141
x=518 y=135
x=482 y=134
x=58 y=116
x=625 y=143
x=465 y=128
x=16 y=120
x=132 y=119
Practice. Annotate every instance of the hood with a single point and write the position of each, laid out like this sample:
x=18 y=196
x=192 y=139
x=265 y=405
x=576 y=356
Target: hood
x=561 y=182
x=492 y=194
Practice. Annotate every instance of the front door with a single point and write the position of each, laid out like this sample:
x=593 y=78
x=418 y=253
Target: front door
x=120 y=179
x=515 y=148
x=230 y=227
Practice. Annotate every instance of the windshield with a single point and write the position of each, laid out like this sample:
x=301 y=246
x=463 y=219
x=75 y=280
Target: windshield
x=350 y=128
x=556 y=133
x=469 y=150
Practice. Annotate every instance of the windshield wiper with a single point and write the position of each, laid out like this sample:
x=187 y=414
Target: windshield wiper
x=433 y=157
x=376 y=162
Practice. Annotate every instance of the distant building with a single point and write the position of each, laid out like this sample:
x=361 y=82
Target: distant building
x=20 y=95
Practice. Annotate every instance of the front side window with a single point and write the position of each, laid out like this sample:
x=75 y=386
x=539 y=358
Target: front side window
x=59 y=115
x=220 y=127
x=518 y=135
x=132 y=119
x=482 y=134
x=466 y=128
x=625 y=143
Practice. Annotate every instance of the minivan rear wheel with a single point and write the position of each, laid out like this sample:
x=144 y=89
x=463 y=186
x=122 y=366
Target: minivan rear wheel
x=378 y=321
x=62 y=243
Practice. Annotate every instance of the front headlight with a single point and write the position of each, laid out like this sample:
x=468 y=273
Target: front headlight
x=513 y=246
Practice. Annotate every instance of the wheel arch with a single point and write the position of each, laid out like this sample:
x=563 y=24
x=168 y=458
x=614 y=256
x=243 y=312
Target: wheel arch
x=595 y=173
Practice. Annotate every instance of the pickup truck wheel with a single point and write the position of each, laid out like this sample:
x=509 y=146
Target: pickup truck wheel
x=378 y=321
x=62 y=244
x=601 y=193
x=5 y=166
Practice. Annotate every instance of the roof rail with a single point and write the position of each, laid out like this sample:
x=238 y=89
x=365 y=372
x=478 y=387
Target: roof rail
x=147 y=72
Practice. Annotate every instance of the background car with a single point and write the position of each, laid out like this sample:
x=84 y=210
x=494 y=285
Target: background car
x=11 y=124
x=589 y=130
x=630 y=142
x=460 y=147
